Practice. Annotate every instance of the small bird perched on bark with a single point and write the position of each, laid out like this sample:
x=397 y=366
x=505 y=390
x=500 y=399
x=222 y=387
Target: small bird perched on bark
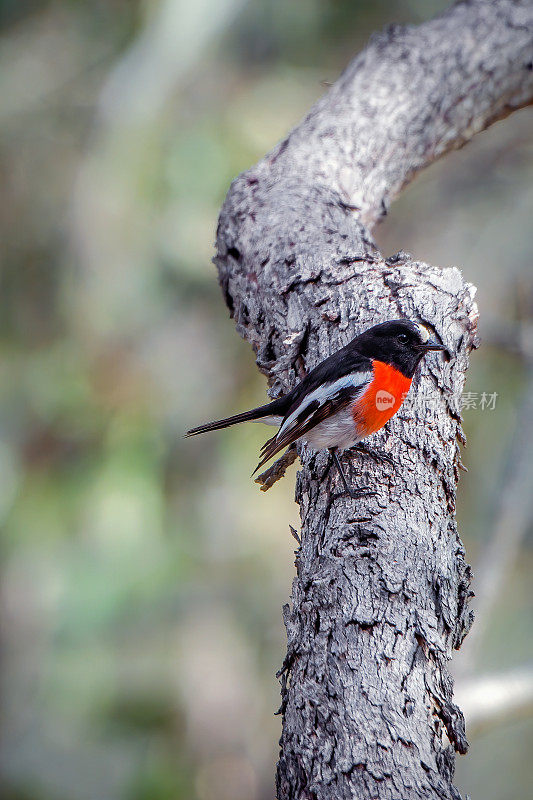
x=350 y=395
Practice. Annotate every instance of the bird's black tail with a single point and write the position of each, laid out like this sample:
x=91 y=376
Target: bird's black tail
x=273 y=409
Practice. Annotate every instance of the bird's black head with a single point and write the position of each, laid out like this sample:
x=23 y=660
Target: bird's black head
x=399 y=342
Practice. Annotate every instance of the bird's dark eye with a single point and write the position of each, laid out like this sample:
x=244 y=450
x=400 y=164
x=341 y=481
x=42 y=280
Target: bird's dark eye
x=403 y=338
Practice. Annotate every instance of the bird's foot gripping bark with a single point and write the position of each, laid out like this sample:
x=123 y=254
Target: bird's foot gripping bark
x=354 y=492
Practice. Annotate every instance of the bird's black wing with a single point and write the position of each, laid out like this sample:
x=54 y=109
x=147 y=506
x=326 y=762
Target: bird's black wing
x=346 y=361
x=325 y=401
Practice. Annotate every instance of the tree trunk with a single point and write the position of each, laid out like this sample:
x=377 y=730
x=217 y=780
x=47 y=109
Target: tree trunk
x=380 y=596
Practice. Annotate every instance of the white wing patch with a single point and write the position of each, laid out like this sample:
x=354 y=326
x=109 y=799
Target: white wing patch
x=324 y=393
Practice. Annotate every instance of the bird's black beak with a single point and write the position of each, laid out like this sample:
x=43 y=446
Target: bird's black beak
x=432 y=344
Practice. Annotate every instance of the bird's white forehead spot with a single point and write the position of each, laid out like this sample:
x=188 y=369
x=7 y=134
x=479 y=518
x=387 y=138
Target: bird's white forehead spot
x=423 y=331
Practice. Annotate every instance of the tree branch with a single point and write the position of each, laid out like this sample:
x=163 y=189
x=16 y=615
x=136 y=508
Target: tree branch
x=412 y=95
x=491 y=700
x=380 y=595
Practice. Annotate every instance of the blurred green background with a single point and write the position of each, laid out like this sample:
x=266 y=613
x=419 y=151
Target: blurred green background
x=143 y=576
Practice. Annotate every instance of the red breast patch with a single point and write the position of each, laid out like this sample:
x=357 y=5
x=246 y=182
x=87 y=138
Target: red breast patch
x=381 y=400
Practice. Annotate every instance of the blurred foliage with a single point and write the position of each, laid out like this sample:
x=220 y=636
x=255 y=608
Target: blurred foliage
x=143 y=577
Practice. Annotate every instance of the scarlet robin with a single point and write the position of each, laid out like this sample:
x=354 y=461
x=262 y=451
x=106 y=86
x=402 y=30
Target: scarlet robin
x=344 y=399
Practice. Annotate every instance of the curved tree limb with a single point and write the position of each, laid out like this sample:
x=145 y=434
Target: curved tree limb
x=380 y=596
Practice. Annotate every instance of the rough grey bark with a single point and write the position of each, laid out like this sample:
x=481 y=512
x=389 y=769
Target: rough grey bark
x=380 y=596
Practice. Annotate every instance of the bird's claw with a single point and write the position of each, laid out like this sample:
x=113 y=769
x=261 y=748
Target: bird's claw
x=356 y=494
x=363 y=491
